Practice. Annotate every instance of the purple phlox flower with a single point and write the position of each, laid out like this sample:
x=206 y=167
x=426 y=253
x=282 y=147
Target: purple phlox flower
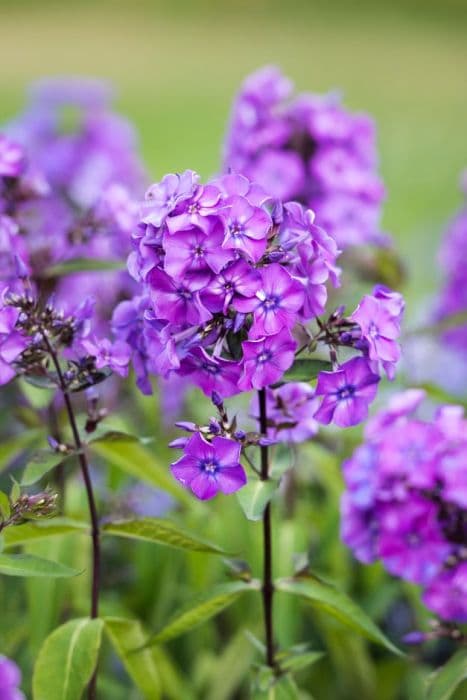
x=115 y=355
x=359 y=530
x=399 y=407
x=347 y=392
x=163 y=197
x=235 y=282
x=237 y=185
x=266 y=359
x=12 y=158
x=196 y=209
x=10 y=679
x=308 y=149
x=281 y=173
x=276 y=302
x=446 y=594
x=379 y=328
x=411 y=543
x=290 y=410
x=247 y=228
x=211 y=373
x=178 y=301
x=361 y=476
x=209 y=467
x=196 y=250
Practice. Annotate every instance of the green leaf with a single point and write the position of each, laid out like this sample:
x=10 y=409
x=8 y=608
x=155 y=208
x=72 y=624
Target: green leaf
x=141 y=463
x=40 y=463
x=201 y=609
x=325 y=597
x=444 y=682
x=105 y=434
x=82 y=265
x=33 y=531
x=126 y=636
x=29 y=565
x=304 y=370
x=67 y=660
x=5 y=508
x=10 y=449
x=255 y=496
x=161 y=532
x=296 y=662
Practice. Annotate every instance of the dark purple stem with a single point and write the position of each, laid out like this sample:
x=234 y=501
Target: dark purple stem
x=268 y=586
x=95 y=534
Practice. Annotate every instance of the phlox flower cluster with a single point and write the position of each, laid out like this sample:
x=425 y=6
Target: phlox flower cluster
x=69 y=171
x=308 y=148
x=230 y=278
x=406 y=500
x=10 y=679
x=453 y=259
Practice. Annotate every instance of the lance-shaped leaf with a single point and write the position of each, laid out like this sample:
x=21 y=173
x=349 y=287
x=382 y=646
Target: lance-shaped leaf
x=5 y=507
x=141 y=463
x=304 y=370
x=29 y=565
x=203 y=608
x=255 y=496
x=336 y=603
x=445 y=682
x=82 y=265
x=126 y=636
x=41 y=462
x=160 y=532
x=67 y=660
x=41 y=530
x=10 y=449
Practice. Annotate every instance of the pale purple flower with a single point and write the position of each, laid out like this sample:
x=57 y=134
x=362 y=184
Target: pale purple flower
x=10 y=679
x=115 y=355
x=266 y=359
x=447 y=592
x=209 y=467
x=212 y=373
x=163 y=197
x=178 y=301
x=346 y=392
x=247 y=228
x=12 y=158
x=232 y=284
x=196 y=250
x=12 y=343
x=276 y=302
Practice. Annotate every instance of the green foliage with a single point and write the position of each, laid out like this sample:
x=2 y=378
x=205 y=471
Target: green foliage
x=443 y=683
x=202 y=609
x=67 y=660
x=306 y=370
x=12 y=447
x=33 y=531
x=160 y=532
x=255 y=496
x=126 y=636
x=41 y=463
x=139 y=462
x=325 y=597
x=83 y=265
x=29 y=565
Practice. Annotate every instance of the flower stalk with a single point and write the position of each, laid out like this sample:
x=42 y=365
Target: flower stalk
x=268 y=585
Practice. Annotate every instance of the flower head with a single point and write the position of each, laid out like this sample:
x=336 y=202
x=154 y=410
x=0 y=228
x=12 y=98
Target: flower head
x=209 y=467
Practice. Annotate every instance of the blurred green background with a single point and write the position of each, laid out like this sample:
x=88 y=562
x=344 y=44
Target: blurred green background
x=177 y=65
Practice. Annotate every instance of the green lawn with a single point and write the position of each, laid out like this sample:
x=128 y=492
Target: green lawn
x=176 y=72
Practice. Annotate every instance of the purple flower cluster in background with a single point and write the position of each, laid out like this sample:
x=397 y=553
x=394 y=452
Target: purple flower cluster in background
x=291 y=410
x=406 y=500
x=453 y=259
x=69 y=170
x=310 y=149
x=10 y=679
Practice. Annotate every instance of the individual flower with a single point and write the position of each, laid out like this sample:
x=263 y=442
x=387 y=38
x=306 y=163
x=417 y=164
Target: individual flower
x=10 y=679
x=116 y=355
x=311 y=149
x=266 y=359
x=347 y=393
x=209 y=467
x=12 y=158
x=12 y=341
